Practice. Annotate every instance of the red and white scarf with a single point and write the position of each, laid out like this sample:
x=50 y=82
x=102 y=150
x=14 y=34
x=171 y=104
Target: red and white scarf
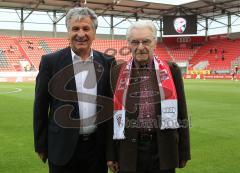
x=169 y=105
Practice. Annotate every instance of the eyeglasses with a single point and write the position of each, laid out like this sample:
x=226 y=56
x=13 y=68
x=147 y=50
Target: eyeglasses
x=145 y=42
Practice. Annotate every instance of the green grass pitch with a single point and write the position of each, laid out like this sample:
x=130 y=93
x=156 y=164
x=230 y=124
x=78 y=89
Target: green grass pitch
x=213 y=106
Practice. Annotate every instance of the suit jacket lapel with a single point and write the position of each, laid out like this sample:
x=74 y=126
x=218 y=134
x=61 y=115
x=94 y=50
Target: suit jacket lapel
x=64 y=62
x=99 y=70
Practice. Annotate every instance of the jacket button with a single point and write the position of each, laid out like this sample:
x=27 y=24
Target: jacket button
x=134 y=140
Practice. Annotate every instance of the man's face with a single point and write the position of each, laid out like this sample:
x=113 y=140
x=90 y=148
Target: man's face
x=142 y=44
x=81 y=34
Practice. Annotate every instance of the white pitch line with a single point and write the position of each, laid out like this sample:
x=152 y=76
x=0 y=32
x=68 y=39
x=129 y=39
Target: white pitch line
x=9 y=92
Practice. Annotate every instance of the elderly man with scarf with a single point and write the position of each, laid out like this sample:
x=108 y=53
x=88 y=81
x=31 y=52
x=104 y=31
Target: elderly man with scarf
x=150 y=130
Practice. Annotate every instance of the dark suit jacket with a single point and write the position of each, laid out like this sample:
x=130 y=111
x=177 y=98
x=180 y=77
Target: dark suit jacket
x=55 y=97
x=173 y=144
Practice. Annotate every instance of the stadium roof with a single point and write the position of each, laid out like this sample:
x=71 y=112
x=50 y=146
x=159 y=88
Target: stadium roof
x=134 y=8
x=170 y=2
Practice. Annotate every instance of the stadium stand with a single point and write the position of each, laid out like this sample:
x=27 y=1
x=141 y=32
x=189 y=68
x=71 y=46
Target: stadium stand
x=218 y=53
x=51 y=45
x=32 y=49
x=10 y=54
x=182 y=48
x=162 y=51
x=3 y=59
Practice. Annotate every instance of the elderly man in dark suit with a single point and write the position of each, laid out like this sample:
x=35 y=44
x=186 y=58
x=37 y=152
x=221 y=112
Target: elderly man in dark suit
x=71 y=96
x=150 y=132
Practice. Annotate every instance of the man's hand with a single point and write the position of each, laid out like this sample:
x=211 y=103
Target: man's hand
x=182 y=163
x=113 y=166
x=43 y=156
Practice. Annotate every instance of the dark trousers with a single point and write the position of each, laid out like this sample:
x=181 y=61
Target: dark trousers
x=87 y=158
x=147 y=158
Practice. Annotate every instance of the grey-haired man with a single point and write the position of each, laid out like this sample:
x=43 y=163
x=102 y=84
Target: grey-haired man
x=71 y=86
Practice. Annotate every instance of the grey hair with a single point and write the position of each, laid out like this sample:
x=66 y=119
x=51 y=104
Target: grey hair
x=79 y=13
x=142 y=24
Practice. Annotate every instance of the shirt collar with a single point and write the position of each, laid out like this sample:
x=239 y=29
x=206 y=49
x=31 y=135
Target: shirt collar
x=149 y=65
x=76 y=57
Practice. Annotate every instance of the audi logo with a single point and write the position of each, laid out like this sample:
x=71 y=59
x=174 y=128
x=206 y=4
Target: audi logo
x=184 y=39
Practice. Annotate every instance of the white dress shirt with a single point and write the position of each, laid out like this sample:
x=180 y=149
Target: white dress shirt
x=86 y=82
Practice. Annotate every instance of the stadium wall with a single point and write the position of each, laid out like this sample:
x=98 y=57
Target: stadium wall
x=31 y=76
x=27 y=33
x=211 y=76
x=18 y=76
x=234 y=35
